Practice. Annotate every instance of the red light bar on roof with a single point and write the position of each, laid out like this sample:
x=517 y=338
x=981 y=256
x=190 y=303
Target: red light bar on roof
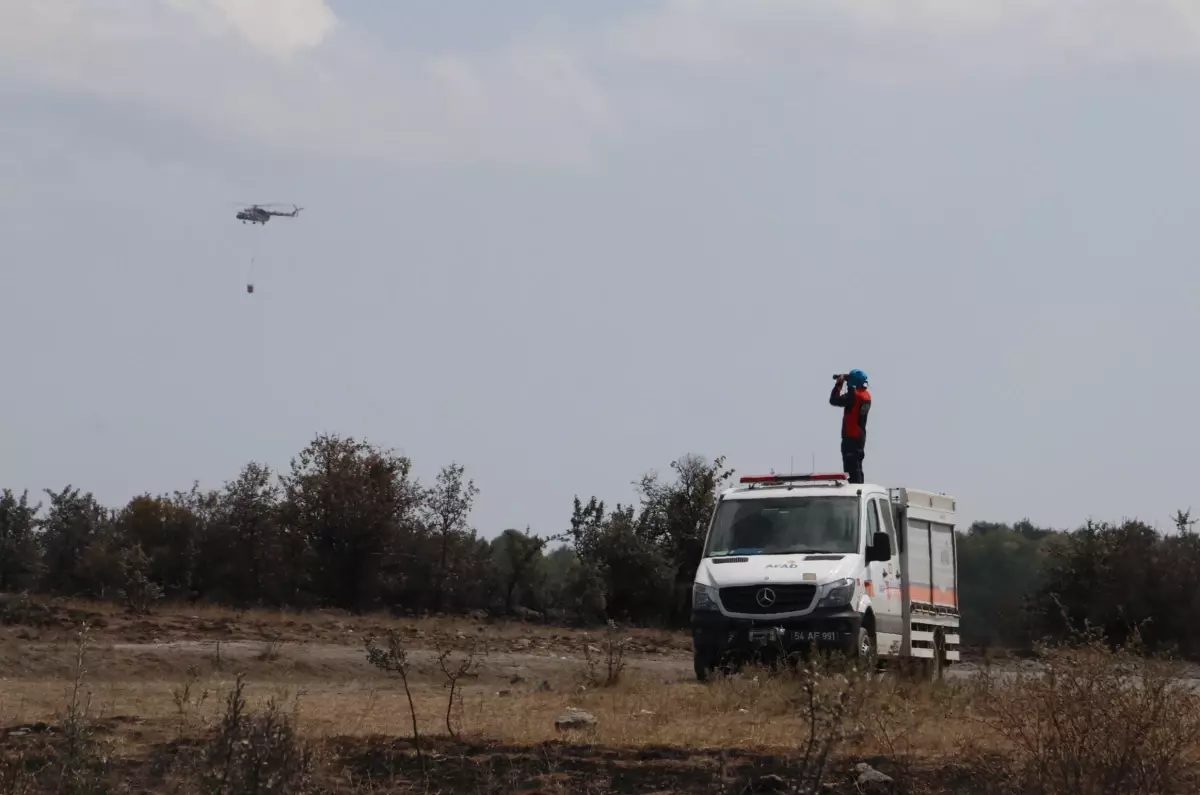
x=794 y=478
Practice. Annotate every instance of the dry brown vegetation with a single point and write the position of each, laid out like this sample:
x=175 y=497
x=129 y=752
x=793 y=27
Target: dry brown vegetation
x=114 y=711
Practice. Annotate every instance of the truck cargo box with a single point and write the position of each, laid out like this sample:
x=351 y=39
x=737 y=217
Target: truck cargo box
x=928 y=570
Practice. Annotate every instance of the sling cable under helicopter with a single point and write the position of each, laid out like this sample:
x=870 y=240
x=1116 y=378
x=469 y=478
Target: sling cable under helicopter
x=260 y=214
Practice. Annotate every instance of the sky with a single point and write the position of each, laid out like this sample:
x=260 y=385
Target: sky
x=564 y=244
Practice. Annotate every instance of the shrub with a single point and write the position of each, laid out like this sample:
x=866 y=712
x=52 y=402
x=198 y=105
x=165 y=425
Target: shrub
x=1096 y=720
x=260 y=753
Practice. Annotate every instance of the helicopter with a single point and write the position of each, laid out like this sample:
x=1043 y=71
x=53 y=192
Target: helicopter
x=260 y=214
x=257 y=214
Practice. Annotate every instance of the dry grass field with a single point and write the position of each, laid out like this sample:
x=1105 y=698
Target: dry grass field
x=203 y=700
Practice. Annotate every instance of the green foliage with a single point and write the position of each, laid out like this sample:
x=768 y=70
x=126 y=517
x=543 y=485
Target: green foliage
x=138 y=590
x=393 y=659
x=167 y=532
x=641 y=559
x=352 y=504
x=1125 y=579
x=520 y=568
x=445 y=512
x=350 y=526
x=253 y=558
x=78 y=557
x=20 y=556
x=999 y=568
x=1023 y=583
x=674 y=519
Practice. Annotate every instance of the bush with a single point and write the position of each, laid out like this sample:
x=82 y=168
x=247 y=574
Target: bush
x=1097 y=720
x=260 y=753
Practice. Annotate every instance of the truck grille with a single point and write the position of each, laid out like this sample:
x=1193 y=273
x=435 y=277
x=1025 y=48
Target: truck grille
x=788 y=598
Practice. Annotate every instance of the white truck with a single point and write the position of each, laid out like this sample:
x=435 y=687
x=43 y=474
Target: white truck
x=794 y=563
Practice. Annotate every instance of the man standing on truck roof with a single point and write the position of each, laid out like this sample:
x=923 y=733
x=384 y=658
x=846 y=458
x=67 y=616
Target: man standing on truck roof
x=855 y=403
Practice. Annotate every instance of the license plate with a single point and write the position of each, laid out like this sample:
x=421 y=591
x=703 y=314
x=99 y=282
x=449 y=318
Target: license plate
x=762 y=636
x=810 y=635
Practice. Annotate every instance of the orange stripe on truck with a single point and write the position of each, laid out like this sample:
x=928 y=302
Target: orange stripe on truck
x=936 y=596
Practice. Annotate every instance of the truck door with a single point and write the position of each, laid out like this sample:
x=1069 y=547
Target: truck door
x=885 y=577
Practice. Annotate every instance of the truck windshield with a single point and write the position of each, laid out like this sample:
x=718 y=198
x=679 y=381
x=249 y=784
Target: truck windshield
x=784 y=526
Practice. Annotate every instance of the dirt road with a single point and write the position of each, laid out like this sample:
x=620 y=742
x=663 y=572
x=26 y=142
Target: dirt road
x=302 y=660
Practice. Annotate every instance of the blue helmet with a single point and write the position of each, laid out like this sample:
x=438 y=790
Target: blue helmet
x=857 y=378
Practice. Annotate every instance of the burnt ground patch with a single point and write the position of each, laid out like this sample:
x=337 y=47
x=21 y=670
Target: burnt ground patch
x=32 y=755
x=568 y=767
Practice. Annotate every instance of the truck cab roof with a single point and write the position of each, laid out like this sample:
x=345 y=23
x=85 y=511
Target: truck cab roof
x=754 y=487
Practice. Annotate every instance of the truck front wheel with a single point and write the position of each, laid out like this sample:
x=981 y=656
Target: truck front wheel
x=864 y=648
x=704 y=665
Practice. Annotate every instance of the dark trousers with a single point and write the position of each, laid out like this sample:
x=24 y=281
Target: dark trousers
x=853 y=453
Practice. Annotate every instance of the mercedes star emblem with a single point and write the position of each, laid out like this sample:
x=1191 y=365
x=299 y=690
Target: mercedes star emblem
x=765 y=597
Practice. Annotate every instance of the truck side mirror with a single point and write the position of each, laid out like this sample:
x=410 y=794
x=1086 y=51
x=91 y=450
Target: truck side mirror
x=880 y=549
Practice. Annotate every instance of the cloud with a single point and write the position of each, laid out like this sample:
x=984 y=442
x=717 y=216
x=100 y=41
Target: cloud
x=290 y=75
x=878 y=36
x=280 y=28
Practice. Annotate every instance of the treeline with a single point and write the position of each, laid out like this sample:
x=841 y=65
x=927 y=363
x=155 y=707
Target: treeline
x=1022 y=583
x=349 y=526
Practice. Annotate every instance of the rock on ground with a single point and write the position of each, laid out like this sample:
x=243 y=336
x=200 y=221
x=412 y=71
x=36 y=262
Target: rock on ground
x=871 y=782
x=769 y=783
x=575 y=719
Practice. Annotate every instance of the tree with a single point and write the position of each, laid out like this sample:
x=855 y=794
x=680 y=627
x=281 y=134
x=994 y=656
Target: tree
x=265 y=562
x=445 y=512
x=617 y=559
x=193 y=515
x=675 y=517
x=569 y=592
x=999 y=569
x=349 y=501
x=637 y=575
x=78 y=542
x=517 y=560
x=349 y=526
x=170 y=531
x=1120 y=578
x=20 y=557
x=587 y=529
x=138 y=590
x=584 y=585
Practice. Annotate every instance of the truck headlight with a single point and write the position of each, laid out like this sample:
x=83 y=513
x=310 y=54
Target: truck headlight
x=837 y=593
x=704 y=598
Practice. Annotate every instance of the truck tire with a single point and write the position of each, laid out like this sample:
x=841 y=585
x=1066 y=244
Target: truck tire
x=704 y=666
x=864 y=653
x=935 y=668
